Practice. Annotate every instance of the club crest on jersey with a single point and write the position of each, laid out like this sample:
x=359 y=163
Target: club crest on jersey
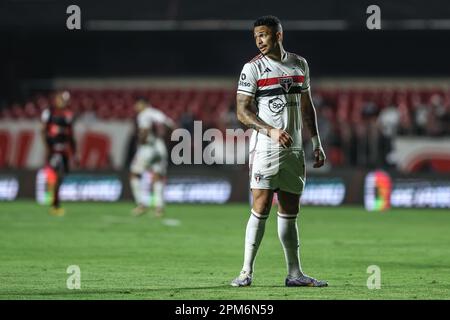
x=286 y=83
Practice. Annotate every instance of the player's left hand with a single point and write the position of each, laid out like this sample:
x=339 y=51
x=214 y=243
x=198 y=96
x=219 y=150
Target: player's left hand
x=319 y=157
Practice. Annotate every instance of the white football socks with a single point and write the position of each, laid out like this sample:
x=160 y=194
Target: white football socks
x=135 y=184
x=288 y=234
x=253 y=236
x=158 y=194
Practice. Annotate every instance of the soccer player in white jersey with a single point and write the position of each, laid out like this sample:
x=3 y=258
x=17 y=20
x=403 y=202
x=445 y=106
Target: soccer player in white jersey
x=151 y=155
x=277 y=81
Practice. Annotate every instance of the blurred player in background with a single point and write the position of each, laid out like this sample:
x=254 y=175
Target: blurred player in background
x=59 y=141
x=278 y=81
x=151 y=155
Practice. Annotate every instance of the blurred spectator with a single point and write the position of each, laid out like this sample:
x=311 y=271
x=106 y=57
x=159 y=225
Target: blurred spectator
x=445 y=120
x=420 y=116
x=369 y=110
x=405 y=125
x=436 y=124
x=388 y=122
x=325 y=123
x=230 y=118
x=187 y=121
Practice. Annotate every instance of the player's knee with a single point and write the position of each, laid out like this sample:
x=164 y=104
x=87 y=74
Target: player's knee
x=262 y=205
x=261 y=209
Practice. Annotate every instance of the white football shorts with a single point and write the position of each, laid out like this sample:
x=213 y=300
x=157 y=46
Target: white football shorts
x=151 y=157
x=278 y=170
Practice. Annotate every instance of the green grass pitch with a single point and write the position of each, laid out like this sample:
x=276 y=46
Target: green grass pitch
x=122 y=257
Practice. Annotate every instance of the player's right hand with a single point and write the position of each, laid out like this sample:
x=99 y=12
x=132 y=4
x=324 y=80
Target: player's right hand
x=282 y=137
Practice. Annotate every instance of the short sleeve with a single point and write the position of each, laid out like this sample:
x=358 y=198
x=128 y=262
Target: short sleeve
x=306 y=84
x=159 y=116
x=152 y=115
x=143 y=121
x=248 y=80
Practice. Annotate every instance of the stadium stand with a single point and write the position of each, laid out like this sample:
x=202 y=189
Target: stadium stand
x=355 y=121
x=355 y=105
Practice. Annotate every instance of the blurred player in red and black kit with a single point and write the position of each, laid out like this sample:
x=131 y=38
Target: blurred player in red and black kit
x=59 y=142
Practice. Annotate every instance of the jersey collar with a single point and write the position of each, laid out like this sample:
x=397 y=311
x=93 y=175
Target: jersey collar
x=283 y=57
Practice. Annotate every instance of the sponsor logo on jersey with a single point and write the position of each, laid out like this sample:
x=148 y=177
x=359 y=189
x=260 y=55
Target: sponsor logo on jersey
x=286 y=83
x=267 y=70
x=276 y=105
x=244 y=84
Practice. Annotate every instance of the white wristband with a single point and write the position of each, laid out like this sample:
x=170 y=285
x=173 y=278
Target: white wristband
x=316 y=142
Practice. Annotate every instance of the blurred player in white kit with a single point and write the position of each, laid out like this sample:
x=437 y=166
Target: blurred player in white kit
x=151 y=155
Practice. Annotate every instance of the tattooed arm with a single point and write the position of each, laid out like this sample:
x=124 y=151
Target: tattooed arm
x=251 y=120
x=310 y=122
x=309 y=113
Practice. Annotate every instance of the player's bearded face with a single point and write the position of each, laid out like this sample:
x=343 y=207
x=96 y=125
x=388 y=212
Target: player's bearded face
x=265 y=39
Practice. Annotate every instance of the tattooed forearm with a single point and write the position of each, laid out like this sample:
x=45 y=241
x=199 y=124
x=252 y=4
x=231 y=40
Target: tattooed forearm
x=309 y=114
x=248 y=117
